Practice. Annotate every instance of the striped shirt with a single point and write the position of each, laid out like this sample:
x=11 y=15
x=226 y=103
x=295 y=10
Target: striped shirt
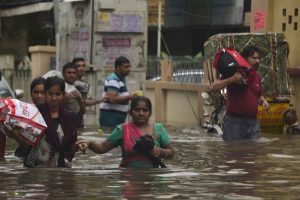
x=116 y=83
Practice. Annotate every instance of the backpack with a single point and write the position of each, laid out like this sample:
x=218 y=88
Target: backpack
x=228 y=61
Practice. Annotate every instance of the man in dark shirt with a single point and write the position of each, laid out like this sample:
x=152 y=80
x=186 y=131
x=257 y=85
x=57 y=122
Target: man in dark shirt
x=240 y=121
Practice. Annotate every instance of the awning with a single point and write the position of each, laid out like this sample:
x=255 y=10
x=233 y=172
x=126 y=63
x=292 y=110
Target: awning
x=26 y=9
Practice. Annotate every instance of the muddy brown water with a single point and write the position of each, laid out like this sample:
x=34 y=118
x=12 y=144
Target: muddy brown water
x=204 y=167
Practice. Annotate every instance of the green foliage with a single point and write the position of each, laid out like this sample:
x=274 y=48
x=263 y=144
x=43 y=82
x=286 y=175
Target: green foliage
x=188 y=57
x=198 y=56
x=164 y=55
x=195 y=58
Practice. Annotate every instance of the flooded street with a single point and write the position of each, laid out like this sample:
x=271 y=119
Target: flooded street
x=204 y=167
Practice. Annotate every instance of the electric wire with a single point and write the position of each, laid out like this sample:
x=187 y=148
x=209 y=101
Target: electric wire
x=181 y=82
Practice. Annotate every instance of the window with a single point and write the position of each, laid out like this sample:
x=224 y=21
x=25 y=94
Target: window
x=284 y=12
x=290 y=19
x=283 y=27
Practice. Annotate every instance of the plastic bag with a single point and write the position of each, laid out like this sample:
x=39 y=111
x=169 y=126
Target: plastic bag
x=24 y=116
x=53 y=73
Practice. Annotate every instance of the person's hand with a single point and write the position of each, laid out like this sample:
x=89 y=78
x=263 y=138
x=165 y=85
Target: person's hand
x=14 y=134
x=2 y=118
x=82 y=146
x=266 y=106
x=76 y=94
x=144 y=144
x=104 y=99
x=99 y=99
x=155 y=152
x=235 y=78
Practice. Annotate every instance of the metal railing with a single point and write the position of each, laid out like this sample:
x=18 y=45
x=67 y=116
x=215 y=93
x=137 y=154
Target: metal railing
x=186 y=69
x=22 y=80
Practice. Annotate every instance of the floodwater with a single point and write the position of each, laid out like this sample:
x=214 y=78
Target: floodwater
x=204 y=167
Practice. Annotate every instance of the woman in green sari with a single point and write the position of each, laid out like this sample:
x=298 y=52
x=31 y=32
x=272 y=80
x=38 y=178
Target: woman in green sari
x=143 y=144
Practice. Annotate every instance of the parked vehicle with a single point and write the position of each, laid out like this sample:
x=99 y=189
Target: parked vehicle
x=214 y=111
x=6 y=91
x=185 y=76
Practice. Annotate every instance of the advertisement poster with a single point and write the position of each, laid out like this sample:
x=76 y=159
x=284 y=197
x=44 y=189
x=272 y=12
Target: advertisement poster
x=125 y=23
x=113 y=48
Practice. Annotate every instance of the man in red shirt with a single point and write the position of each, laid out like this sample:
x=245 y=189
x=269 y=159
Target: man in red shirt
x=240 y=121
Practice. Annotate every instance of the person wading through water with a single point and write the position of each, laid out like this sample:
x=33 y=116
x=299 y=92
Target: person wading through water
x=143 y=144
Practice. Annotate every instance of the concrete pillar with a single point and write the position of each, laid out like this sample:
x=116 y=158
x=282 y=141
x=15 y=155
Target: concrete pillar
x=160 y=99
x=166 y=69
x=210 y=74
x=41 y=59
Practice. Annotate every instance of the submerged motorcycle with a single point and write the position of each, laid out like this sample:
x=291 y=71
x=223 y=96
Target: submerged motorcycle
x=214 y=111
x=291 y=122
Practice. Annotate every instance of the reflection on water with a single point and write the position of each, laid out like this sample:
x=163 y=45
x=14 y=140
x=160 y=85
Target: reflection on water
x=204 y=167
